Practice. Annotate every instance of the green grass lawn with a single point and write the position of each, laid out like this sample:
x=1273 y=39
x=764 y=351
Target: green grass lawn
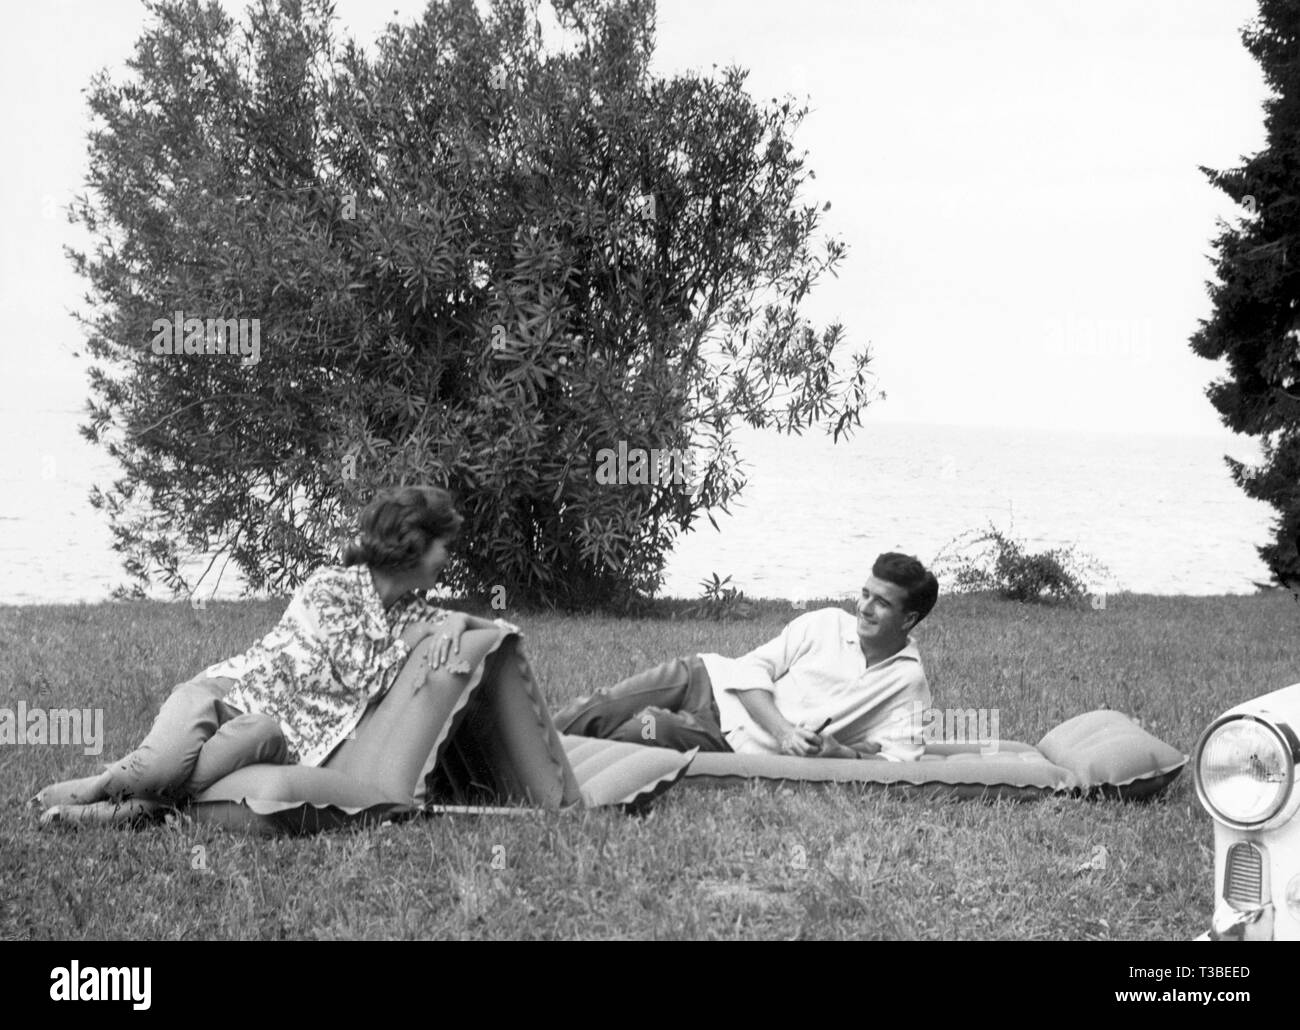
x=717 y=862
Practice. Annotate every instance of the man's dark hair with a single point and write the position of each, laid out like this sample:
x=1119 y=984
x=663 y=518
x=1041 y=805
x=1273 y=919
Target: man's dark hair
x=905 y=571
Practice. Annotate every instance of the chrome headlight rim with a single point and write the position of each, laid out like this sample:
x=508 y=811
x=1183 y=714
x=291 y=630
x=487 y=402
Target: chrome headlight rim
x=1286 y=737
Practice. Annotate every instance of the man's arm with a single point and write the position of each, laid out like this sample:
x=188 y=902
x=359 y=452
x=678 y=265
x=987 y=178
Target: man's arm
x=744 y=688
x=899 y=738
x=798 y=740
x=832 y=748
x=793 y=740
x=772 y=660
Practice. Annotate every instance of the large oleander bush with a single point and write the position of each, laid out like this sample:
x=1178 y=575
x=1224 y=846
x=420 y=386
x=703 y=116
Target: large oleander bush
x=477 y=256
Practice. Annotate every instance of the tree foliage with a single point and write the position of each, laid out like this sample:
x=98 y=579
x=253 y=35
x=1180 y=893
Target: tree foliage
x=1255 y=325
x=478 y=258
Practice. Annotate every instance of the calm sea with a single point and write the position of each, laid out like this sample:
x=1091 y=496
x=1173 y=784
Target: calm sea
x=1160 y=512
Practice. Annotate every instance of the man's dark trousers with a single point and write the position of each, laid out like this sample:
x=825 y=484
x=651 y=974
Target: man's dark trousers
x=670 y=705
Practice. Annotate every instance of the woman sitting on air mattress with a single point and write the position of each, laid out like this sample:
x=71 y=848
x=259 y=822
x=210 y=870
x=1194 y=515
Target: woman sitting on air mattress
x=298 y=693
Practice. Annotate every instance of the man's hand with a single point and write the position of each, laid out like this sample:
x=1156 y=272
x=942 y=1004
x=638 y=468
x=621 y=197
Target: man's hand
x=867 y=749
x=832 y=748
x=799 y=741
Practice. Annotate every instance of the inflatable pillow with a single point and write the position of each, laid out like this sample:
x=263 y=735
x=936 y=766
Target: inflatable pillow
x=1101 y=753
x=476 y=734
x=1109 y=754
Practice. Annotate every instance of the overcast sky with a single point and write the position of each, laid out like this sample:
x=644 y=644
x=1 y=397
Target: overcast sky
x=1016 y=180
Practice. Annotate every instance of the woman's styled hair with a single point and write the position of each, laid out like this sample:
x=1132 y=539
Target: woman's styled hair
x=399 y=525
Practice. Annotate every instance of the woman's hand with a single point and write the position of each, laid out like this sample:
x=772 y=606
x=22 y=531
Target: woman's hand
x=448 y=642
x=417 y=631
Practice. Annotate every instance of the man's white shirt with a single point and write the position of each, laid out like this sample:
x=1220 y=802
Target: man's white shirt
x=815 y=670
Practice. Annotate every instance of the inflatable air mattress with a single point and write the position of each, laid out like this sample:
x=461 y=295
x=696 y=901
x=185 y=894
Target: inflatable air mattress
x=482 y=737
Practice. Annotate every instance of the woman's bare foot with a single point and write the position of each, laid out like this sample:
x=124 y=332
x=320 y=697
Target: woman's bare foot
x=102 y=813
x=85 y=791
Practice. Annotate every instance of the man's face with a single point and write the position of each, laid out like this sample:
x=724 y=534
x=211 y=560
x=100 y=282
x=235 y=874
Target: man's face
x=881 y=612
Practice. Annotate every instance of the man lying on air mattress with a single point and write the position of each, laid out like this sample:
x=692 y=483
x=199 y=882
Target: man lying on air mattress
x=830 y=686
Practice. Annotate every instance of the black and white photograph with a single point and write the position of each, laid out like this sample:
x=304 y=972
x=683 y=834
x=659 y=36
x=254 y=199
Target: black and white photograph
x=618 y=470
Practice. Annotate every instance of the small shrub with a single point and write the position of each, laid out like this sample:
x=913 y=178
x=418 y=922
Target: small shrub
x=994 y=560
x=719 y=601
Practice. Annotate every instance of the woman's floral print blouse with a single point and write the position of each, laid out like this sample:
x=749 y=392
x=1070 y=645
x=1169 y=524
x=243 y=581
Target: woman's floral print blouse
x=334 y=649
